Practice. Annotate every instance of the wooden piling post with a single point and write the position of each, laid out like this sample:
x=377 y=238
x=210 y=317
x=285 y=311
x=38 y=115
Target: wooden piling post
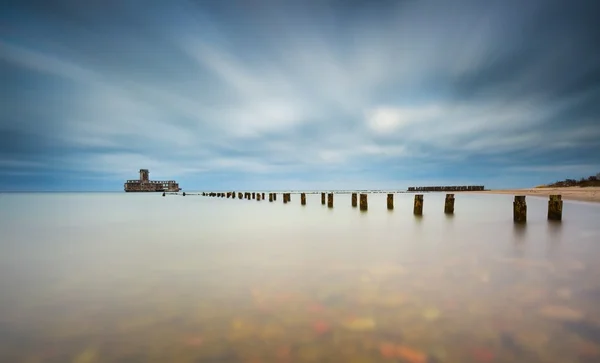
x=330 y=200
x=270 y=197
x=240 y=195
x=184 y=194
x=449 y=204
x=258 y=196
x=418 y=207
x=323 y=198
x=253 y=195
x=274 y=196
x=233 y=195
x=364 y=205
x=555 y=206
x=303 y=198
x=390 y=201
x=520 y=209
x=263 y=196
x=285 y=200
x=354 y=200
x=228 y=194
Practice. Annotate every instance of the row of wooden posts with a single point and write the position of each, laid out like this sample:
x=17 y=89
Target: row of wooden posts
x=555 y=203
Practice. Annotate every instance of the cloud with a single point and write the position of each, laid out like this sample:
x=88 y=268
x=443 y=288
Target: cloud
x=278 y=91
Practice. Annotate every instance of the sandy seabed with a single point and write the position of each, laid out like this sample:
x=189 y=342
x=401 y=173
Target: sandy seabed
x=588 y=194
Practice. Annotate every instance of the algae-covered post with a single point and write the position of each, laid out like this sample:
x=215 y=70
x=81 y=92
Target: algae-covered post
x=390 y=201
x=519 y=209
x=418 y=207
x=323 y=198
x=303 y=198
x=330 y=200
x=364 y=204
x=555 y=206
x=354 y=200
x=449 y=204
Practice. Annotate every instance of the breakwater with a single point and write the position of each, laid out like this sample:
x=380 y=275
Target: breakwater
x=452 y=188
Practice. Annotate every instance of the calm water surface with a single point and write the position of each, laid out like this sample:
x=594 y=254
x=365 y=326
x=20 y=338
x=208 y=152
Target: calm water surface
x=88 y=278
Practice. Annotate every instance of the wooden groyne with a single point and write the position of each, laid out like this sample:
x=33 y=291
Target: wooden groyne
x=519 y=207
x=460 y=188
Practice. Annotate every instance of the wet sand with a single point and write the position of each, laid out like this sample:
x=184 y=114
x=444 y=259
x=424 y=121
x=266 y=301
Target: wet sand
x=589 y=194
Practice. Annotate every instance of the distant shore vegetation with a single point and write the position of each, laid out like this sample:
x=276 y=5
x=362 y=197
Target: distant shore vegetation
x=591 y=181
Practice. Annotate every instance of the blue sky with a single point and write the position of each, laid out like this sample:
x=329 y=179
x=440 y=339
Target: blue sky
x=298 y=94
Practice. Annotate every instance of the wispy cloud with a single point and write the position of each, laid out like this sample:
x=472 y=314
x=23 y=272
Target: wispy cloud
x=306 y=94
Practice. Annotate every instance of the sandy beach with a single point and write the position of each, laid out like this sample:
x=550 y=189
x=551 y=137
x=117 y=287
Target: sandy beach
x=589 y=194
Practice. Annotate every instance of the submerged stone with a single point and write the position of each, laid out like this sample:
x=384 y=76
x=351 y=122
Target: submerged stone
x=559 y=312
x=410 y=355
x=359 y=324
x=431 y=314
x=87 y=356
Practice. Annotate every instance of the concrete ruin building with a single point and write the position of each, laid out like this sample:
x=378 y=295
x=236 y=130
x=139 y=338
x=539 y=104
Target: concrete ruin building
x=144 y=184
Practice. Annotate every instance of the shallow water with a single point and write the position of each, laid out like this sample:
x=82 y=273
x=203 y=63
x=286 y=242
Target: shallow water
x=140 y=278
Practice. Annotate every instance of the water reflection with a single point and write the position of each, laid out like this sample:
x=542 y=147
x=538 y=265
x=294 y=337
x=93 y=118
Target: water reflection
x=335 y=286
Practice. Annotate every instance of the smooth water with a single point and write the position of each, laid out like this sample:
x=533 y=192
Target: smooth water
x=141 y=278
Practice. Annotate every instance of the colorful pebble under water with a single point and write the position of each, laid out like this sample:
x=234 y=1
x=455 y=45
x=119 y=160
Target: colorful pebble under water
x=99 y=278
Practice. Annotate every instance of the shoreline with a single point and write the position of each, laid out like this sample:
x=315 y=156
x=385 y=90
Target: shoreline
x=582 y=194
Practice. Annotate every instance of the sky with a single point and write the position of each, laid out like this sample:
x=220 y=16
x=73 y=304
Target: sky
x=272 y=95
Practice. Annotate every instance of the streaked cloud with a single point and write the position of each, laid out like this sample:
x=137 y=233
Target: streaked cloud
x=299 y=94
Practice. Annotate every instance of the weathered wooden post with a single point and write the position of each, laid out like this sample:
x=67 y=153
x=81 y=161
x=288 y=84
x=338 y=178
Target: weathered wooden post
x=240 y=195
x=228 y=194
x=184 y=194
x=263 y=196
x=270 y=197
x=253 y=195
x=555 y=206
x=303 y=198
x=330 y=200
x=364 y=205
x=274 y=196
x=418 y=207
x=323 y=198
x=390 y=201
x=258 y=196
x=233 y=195
x=519 y=209
x=449 y=204
x=285 y=198
x=354 y=200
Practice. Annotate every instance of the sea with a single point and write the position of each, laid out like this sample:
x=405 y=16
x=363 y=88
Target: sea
x=138 y=277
